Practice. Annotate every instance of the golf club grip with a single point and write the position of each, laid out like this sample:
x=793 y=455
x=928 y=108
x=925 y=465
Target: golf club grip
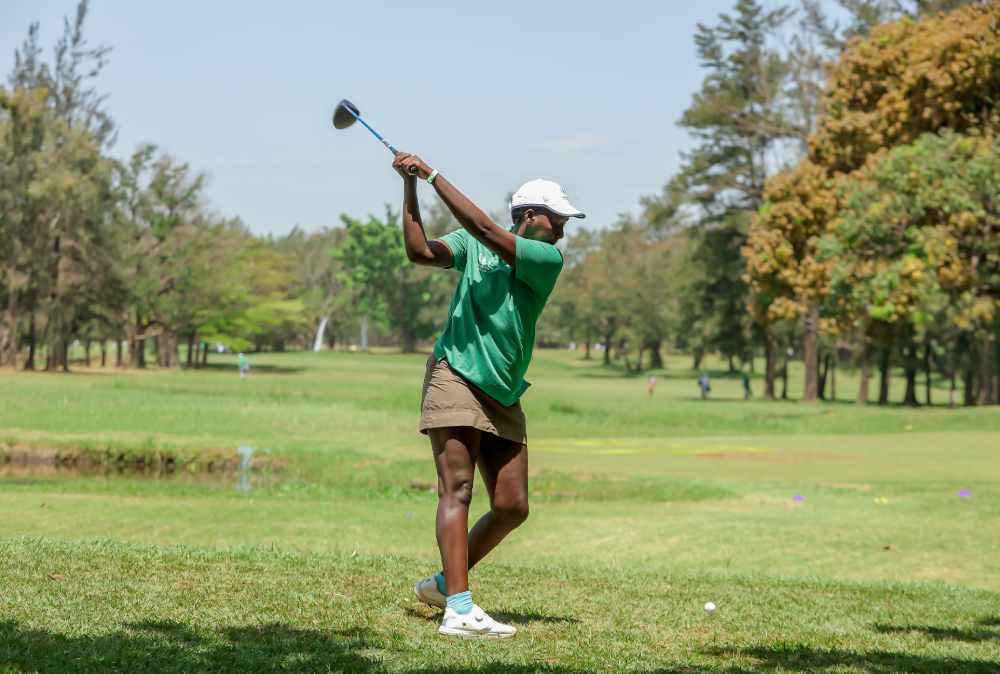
x=412 y=170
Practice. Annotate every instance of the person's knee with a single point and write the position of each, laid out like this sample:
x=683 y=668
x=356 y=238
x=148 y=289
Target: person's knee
x=511 y=511
x=456 y=490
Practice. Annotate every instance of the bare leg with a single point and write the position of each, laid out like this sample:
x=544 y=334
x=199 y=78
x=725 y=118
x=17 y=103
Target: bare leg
x=504 y=467
x=455 y=451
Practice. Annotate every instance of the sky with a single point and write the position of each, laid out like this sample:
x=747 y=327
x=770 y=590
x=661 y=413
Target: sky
x=492 y=94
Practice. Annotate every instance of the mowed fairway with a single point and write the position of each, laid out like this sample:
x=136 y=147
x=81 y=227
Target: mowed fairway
x=832 y=537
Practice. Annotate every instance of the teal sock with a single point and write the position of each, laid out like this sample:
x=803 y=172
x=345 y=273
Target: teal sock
x=439 y=579
x=461 y=602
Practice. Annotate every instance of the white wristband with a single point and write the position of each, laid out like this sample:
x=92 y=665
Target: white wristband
x=432 y=176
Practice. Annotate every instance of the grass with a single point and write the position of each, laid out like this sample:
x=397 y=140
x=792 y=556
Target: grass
x=103 y=606
x=643 y=509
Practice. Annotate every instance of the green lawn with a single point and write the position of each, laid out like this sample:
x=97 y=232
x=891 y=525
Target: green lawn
x=642 y=510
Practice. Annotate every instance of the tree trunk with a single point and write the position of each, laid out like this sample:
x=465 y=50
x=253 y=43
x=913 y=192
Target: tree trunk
x=811 y=354
x=586 y=350
x=833 y=377
x=732 y=367
x=409 y=341
x=29 y=364
x=910 y=396
x=968 y=380
x=118 y=352
x=607 y=349
x=768 y=365
x=699 y=355
x=911 y=364
x=927 y=372
x=190 y=353
x=57 y=351
x=865 y=374
x=364 y=332
x=166 y=345
x=13 y=340
x=951 y=391
x=824 y=375
x=133 y=347
x=86 y=352
x=784 y=377
x=996 y=363
x=204 y=354
x=655 y=359
x=883 y=371
x=986 y=372
x=137 y=353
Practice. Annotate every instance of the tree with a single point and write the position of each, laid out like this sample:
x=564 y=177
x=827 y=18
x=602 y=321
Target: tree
x=909 y=77
x=738 y=121
x=569 y=312
x=62 y=202
x=388 y=287
x=22 y=130
x=917 y=242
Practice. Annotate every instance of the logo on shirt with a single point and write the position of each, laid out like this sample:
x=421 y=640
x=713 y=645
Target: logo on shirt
x=488 y=262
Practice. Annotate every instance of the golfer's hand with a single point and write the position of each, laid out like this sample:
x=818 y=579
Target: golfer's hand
x=408 y=165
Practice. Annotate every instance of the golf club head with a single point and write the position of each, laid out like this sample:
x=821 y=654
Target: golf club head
x=345 y=114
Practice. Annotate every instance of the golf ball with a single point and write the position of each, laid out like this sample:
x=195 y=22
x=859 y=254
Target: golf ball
x=709 y=607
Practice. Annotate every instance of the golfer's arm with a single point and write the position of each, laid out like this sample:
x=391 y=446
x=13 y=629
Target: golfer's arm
x=477 y=223
x=418 y=249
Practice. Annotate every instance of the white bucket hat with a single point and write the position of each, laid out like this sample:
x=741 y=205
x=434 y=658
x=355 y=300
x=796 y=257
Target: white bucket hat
x=545 y=194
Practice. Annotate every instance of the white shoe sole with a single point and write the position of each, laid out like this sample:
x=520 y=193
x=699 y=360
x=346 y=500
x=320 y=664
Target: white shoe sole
x=468 y=634
x=424 y=600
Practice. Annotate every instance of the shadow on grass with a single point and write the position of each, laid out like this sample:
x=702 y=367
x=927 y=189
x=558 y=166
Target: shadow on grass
x=798 y=658
x=942 y=633
x=167 y=646
x=545 y=667
x=174 y=647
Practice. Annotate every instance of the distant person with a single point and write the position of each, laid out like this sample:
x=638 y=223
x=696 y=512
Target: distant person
x=244 y=366
x=747 y=391
x=651 y=385
x=470 y=405
x=705 y=384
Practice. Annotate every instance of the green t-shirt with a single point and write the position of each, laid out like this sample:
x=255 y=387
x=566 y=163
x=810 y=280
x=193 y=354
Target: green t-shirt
x=491 y=322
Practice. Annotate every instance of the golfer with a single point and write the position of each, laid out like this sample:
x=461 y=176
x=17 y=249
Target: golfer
x=475 y=376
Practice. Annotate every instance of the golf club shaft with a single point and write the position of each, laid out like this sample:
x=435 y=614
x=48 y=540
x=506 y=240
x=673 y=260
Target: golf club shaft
x=374 y=132
x=412 y=170
x=377 y=135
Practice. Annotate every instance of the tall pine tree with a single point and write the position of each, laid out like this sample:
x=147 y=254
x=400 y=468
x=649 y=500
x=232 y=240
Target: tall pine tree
x=739 y=125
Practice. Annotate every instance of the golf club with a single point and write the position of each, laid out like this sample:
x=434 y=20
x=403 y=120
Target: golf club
x=347 y=113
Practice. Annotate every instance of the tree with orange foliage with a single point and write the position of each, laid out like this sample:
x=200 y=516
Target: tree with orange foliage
x=907 y=78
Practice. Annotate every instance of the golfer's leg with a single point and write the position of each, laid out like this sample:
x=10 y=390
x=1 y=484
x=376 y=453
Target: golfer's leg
x=504 y=467
x=455 y=452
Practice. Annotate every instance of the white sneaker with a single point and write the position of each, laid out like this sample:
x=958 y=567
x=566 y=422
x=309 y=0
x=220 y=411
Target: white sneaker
x=427 y=592
x=473 y=624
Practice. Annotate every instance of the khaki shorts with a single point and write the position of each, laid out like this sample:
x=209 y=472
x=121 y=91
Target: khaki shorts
x=449 y=400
